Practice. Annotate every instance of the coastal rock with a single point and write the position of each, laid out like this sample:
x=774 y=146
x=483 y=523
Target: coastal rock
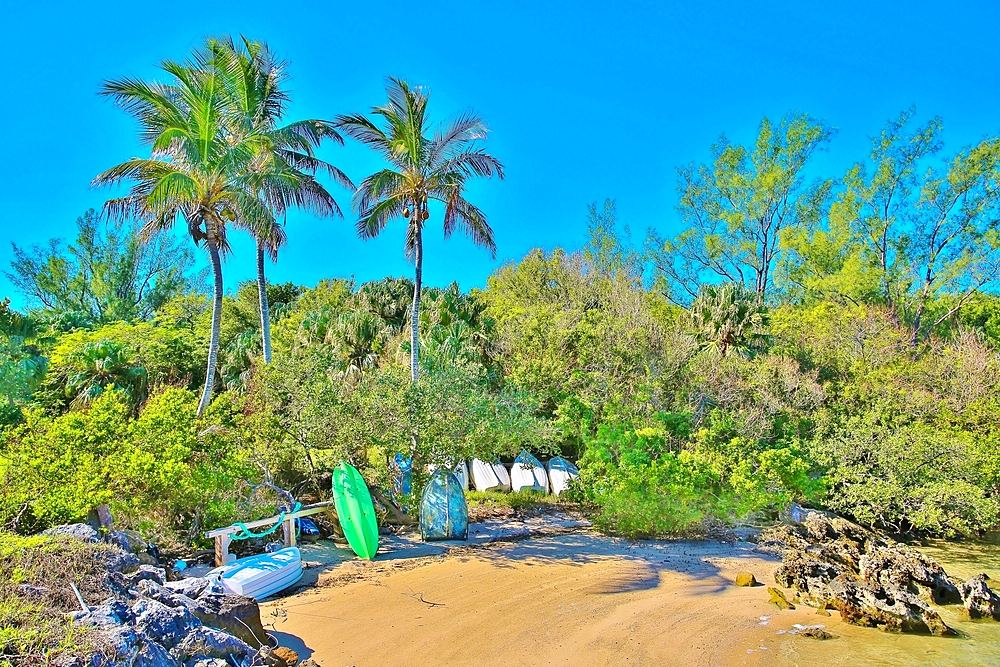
x=903 y=567
x=128 y=541
x=745 y=579
x=192 y=587
x=810 y=577
x=205 y=642
x=131 y=648
x=169 y=625
x=979 y=600
x=147 y=573
x=77 y=531
x=887 y=608
x=106 y=615
x=236 y=614
x=286 y=655
x=779 y=600
x=209 y=662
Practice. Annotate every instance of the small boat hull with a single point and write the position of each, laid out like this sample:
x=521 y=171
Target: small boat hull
x=260 y=576
x=355 y=510
x=444 y=514
x=490 y=476
x=528 y=474
x=561 y=472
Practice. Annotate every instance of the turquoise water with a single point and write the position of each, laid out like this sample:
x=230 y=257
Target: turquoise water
x=977 y=646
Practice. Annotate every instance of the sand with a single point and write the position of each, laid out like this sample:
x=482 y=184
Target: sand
x=573 y=599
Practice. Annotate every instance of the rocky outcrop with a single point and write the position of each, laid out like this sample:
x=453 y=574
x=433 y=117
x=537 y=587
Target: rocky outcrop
x=874 y=582
x=979 y=600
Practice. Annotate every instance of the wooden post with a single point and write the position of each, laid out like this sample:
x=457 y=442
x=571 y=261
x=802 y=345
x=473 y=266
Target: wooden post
x=289 y=527
x=222 y=549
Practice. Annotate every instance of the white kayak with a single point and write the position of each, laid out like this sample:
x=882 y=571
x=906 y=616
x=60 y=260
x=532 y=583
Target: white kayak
x=260 y=576
x=561 y=472
x=461 y=471
x=527 y=473
x=490 y=476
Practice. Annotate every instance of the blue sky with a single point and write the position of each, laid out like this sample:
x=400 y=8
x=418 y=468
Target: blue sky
x=585 y=100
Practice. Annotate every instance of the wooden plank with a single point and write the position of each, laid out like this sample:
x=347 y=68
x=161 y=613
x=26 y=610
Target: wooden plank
x=222 y=549
x=308 y=510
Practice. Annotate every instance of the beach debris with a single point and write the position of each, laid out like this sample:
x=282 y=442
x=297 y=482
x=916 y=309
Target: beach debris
x=874 y=582
x=763 y=620
x=778 y=599
x=979 y=600
x=745 y=579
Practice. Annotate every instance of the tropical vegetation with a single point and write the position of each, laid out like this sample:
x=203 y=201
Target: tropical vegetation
x=830 y=340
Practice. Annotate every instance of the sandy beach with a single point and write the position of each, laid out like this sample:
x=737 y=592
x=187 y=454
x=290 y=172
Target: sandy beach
x=570 y=599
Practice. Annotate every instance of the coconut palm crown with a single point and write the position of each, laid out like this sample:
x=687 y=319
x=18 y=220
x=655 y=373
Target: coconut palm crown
x=285 y=167
x=422 y=168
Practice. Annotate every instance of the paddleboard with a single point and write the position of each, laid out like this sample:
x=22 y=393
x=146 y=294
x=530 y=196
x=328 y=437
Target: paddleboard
x=355 y=510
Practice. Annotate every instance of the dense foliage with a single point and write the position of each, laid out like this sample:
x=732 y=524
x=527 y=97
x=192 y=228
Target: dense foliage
x=820 y=340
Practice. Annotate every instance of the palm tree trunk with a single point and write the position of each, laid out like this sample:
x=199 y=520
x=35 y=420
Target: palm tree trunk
x=213 y=345
x=265 y=311
x=418 y=259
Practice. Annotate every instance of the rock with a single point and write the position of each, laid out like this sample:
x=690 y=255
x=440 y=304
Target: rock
x=810 y=577
x=746 y=534
x=779 y=600
x=821 y=610
x=119 y=561
x=192 y=587
x=131 y=648
x=308 y=662
x=979 y=600
x=128 y=541
x=236 y=614
x=286 y=655
x=147 y=573
x=903 y=567
x=168 y=625
x=209 y=662
x=77 y=531
x=29 y=591
x=106 y=615
x=816 y=632
x=205 y=642
x=745 y=579
x=888 y=608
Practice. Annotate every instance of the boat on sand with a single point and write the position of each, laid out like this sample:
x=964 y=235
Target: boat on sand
x=260 y=576
x=528 y=474
x=444 y=514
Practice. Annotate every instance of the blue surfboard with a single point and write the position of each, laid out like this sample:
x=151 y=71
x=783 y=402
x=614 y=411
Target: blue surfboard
x=444 y=514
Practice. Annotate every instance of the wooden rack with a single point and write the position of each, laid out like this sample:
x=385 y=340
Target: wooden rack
x=224 y=536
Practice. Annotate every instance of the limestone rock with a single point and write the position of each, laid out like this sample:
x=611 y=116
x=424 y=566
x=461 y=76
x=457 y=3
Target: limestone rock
x=192 y=587
x=286 y=655
x=901 y=566
x=147 y=573
x=810 y=577
x=979 y=600
x=77 y=531
x=169 y=625
x=778 y=599
x=745 y=579
x=106 y=615
x=888 y=608
x=205 y=642
x=236 y=614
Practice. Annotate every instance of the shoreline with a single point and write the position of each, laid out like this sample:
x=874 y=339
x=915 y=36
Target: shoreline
x=573 y=598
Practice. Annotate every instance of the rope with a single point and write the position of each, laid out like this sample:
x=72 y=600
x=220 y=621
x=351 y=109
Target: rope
x=247 y=534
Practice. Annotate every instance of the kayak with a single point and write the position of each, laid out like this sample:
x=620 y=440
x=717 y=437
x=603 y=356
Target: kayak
x=561 y=472
x=260 y=576
x=443 y=512
x=355 y=510
x=527 y=473
x=490 y=476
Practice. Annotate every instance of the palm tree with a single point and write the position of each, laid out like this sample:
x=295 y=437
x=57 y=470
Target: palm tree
x=728 y=317
x=105 y=364
x=422 y=169
x=286 y=165
x=198 y=170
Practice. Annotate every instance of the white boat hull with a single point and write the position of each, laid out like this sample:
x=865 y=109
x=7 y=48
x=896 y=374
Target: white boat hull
x=490 y=476
x=528 y=474
x=561 y=472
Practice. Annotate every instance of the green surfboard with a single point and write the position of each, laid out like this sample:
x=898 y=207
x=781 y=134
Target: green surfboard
x=355 y=510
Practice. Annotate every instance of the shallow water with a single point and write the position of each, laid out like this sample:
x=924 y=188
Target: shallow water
x=978 y=643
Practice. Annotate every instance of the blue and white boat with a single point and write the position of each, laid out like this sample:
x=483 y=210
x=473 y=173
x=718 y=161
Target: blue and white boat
x=561 y=472
x=528 y=473
x=490 y=476
x=444 y=514
x=260 y=576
